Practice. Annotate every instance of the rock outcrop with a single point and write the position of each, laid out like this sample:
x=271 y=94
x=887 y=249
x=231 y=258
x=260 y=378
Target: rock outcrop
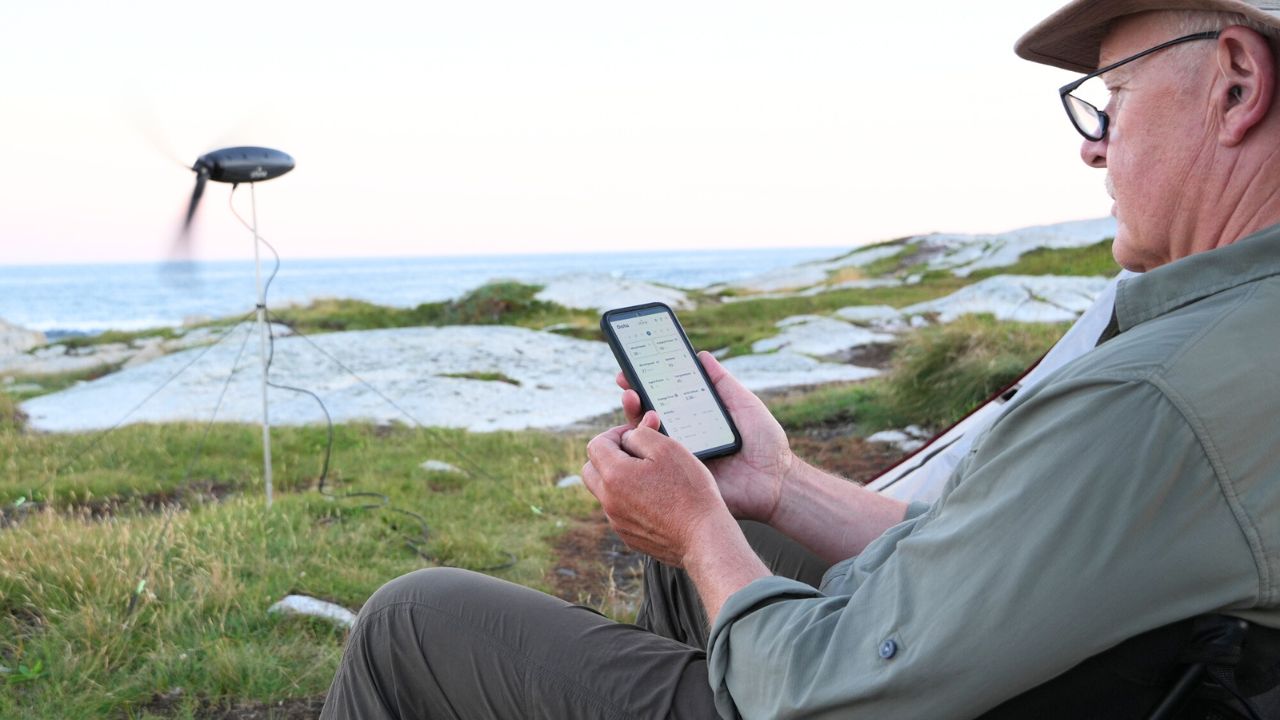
x=15 y=340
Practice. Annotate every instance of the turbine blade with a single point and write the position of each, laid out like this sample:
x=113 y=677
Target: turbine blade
x=201 y=179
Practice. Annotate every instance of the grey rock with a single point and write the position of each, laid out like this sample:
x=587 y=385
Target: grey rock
x=441 y=466
x=312 y=607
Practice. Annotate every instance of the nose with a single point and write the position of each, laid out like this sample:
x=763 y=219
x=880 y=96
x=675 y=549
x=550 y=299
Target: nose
x=1094 y=152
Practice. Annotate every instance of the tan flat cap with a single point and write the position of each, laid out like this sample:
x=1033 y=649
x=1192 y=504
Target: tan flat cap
x=1070 y=38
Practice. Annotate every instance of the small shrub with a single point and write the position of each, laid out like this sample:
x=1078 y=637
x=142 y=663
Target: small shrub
x=500 y=303
x=496 y=303
x=124 y=337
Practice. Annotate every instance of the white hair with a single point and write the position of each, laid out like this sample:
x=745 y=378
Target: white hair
x=1186 y=22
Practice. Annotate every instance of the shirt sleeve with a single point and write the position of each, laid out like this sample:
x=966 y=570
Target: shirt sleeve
x=1087 y=515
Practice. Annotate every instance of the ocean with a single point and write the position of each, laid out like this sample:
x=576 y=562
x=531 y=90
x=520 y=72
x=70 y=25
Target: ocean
x=66 y=300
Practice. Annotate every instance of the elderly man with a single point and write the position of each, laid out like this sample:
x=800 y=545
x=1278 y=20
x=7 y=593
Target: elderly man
x=1134 y=488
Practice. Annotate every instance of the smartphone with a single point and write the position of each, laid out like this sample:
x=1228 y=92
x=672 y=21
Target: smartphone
x=660 y=364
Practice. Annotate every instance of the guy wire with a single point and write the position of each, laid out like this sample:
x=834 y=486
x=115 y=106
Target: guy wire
x=21 y=504
x=385 y=504
x=172 y=508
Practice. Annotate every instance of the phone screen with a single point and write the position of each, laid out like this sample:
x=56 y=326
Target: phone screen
x=670 y=378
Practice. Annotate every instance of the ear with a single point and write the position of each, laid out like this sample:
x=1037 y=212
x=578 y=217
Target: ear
x=1243 y=96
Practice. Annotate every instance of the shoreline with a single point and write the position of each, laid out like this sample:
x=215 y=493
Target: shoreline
x=801 y=325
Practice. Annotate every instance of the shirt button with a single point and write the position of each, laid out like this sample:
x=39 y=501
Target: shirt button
x=888 y=649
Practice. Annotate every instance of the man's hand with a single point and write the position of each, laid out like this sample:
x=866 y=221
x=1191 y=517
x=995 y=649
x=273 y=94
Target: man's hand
x=660 y=499
x=750 y=480
x=764 y=482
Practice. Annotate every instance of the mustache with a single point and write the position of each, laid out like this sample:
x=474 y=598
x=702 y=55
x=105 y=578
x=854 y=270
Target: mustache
x=1111 y=186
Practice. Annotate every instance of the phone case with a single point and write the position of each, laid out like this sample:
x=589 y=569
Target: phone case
x=627 y=370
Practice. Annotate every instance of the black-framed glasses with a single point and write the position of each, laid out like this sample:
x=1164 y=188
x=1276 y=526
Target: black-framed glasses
x=1088 y=120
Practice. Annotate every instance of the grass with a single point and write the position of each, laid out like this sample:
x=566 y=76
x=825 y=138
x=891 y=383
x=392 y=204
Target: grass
x=860 y=405
x=888 y=265
x=69 y=569
x=116 y=336
x=11 y=417
x=1093 y=259
x=26 y=387
x=940 y=373
x=737 y=325
x=483 y=376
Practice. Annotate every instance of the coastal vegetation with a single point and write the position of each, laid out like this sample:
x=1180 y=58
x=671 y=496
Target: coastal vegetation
x=137 y=564
x=496 y=303
x=936 y=376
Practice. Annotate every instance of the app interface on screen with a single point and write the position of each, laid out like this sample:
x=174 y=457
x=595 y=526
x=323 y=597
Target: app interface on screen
x=670 y=376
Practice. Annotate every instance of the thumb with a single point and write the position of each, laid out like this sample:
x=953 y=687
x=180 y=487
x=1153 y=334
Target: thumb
x=645 y=441
x=727 y=386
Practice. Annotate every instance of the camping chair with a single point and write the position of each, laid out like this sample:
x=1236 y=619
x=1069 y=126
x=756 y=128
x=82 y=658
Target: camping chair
x=1213 y=667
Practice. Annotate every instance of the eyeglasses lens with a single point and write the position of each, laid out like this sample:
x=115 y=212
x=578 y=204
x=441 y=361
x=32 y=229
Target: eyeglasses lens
x=1085 y=116
x=1083 y=104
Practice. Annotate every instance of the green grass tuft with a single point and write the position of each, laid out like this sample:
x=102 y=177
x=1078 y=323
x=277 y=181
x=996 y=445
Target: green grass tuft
x=1094 y=259
x=116 y=336
x=941 y=373
x=862 y=405
x=483 y=376
x=12 y=419
x=890 y=265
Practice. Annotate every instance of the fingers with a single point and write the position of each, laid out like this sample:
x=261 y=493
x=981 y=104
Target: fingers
x=645 y=441
x=621 y=379
x=631 y=407
x=714 y=369
x=605 y=450
x=730 y=390
x=592 y=480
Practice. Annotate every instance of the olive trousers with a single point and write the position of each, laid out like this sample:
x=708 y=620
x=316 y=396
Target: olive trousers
x=449 y=643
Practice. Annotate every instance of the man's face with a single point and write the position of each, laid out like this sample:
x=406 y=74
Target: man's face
x=1156 y=140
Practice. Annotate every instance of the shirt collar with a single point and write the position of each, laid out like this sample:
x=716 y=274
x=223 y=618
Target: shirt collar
x=1195 y=277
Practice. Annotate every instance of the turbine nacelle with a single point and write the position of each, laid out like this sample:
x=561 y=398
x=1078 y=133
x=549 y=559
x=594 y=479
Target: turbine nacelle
x=234 y=165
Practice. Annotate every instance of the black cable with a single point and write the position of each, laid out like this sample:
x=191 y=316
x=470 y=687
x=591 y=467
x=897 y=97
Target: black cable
x=231 y=202
x=469 y=466
x=385 y=504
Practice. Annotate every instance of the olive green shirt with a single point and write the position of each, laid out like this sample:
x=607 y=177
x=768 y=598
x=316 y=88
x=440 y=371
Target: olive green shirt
x=1136 y=486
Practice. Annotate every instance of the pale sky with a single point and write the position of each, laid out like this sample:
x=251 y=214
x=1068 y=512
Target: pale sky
x=511 y=126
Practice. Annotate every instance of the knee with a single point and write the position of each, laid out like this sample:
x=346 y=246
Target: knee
x=429 y=586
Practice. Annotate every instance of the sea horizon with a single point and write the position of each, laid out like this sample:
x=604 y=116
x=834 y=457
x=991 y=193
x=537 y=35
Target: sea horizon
x=65 y=299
